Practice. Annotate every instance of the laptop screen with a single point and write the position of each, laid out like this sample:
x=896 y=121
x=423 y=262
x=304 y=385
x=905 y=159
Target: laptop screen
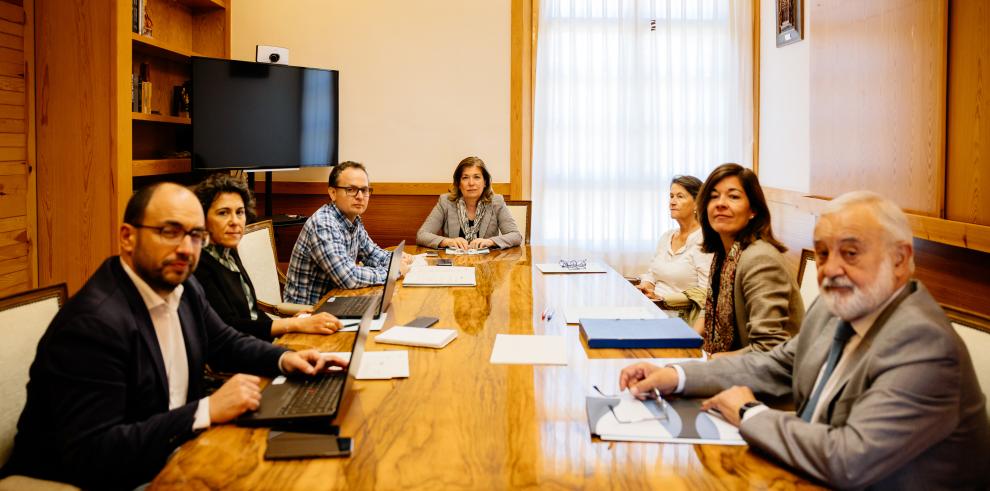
x=393 y=276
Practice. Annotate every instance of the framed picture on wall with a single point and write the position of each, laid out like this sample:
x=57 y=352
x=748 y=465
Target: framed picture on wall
x=789 y=22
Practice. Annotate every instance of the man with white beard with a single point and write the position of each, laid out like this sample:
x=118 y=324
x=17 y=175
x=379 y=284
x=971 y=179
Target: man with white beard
x=885 y=390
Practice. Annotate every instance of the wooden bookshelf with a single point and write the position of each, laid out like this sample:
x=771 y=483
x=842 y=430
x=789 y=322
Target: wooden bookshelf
x=154 y=47
x=181 y=30
x=158 y=167
x=158 y=118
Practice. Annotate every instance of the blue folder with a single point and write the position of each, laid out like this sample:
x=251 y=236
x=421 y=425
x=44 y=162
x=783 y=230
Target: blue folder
x=639 y=333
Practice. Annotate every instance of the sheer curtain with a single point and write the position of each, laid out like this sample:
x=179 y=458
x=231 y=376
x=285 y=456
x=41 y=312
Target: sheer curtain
x=630 y=93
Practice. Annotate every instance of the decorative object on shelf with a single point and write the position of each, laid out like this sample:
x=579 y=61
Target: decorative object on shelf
x=790 y=18
x=145 y=84
x=147 y=23
x=180 y=100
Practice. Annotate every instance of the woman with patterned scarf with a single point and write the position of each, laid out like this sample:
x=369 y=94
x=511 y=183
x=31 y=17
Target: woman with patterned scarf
x=753 y=302
x=471 y=216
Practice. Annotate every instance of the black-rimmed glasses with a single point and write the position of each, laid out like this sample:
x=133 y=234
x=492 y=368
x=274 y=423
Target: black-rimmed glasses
x=654 y=395
x=352 y=191
x=173 y=234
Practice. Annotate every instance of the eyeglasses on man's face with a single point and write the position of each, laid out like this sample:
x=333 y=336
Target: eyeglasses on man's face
x=352 y=191
x=173 y=234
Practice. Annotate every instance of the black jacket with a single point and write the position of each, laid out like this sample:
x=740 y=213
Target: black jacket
x=226 y=296
x=97 y=401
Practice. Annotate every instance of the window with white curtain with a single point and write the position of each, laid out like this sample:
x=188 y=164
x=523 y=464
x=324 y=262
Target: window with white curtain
x=630 y=93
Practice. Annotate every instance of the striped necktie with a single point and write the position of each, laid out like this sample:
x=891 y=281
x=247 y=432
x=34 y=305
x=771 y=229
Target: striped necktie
x=842 y=334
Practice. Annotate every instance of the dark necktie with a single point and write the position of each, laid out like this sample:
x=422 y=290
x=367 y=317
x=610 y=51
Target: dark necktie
x=842 y=334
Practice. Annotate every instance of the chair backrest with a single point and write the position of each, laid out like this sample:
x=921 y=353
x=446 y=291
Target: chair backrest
x=258 y=253
x=977 y=343
x=522 y=213
x=24 y=318
x=808 y=277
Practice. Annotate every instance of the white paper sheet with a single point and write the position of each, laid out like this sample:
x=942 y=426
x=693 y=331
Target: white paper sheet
x=522 y=349
x=633 y=420
x=591 y=267
x=378 y=365
x=440 y=276
x=351 y=325
x=573 y=314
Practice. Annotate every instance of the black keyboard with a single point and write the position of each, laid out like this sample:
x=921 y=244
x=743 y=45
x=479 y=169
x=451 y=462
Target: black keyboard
x=354 y=306
x=314 y=396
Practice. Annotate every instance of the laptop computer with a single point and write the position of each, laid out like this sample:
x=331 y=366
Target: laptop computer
x=299 y=401
x=354 y=307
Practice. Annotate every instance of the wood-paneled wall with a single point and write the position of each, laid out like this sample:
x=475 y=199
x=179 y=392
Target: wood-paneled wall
x=15 y=166
x=76 y=128
x=968 y=153
x=878 y=72
x=957 y=277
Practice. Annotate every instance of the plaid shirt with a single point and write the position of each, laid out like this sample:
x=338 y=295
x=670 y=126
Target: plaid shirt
x=326 y=256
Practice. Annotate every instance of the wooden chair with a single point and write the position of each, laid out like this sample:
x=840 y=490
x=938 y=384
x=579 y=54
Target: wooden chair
x=807 y=277
x=25 y=317
x=522 y=213
x=260 y=259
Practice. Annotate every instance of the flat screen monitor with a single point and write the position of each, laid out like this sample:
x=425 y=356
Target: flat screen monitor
x=259 y=116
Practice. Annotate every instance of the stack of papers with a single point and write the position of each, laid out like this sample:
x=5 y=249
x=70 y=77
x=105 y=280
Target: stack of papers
x=440 y=276
x=519 y=349
x=351 y=325
x=591 y=267
x=460 y=252
x=625 y=418
x=417 y=336
x=573 y=315
x=378 y=365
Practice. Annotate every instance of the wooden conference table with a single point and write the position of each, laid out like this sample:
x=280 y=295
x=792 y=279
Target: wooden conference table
x=459 y=422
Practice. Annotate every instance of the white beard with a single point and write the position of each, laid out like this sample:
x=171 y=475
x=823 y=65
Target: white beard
x=860 y=301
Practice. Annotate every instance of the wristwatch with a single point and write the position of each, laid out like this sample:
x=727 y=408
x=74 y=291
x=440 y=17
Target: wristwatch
x=746 y=407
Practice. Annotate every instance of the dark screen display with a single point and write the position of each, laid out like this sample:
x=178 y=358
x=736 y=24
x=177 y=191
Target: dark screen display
x=249 y=115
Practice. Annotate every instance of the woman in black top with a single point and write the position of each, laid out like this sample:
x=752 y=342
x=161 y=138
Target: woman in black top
x=226 y=203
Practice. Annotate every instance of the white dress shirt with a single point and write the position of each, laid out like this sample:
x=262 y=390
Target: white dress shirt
x=164 y=314
x=675 y=271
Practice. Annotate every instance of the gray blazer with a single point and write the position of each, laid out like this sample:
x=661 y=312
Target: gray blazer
x=768 y=303
x=443 y=220
x=907 y=414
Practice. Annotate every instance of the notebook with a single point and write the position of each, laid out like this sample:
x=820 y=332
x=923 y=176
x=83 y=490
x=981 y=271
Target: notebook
x=354 y=307
x=639 y=333
x=417 y=336
x=301 y=400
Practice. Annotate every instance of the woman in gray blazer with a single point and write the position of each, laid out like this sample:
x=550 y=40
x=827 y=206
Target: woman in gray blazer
x=753 y=302
x=472 y=216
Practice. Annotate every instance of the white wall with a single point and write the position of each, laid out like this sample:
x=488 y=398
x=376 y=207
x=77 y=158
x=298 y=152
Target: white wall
x=785 y=155
x=422 y=84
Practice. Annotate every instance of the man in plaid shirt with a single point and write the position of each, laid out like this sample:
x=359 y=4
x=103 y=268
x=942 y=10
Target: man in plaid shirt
x=334 y=250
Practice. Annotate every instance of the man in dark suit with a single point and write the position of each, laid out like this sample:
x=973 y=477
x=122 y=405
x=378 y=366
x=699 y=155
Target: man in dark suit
x=885 y=390
x=116 y=384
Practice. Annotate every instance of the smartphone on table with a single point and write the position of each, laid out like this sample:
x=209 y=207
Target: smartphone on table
x=422 y=322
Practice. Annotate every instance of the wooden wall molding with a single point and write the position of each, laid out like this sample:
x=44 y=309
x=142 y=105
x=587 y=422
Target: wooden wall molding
x=958 y=234
x=381 y=188
x=957 y=276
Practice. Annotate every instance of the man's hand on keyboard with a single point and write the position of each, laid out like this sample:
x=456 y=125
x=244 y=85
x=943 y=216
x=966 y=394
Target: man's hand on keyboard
x=309 y=362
